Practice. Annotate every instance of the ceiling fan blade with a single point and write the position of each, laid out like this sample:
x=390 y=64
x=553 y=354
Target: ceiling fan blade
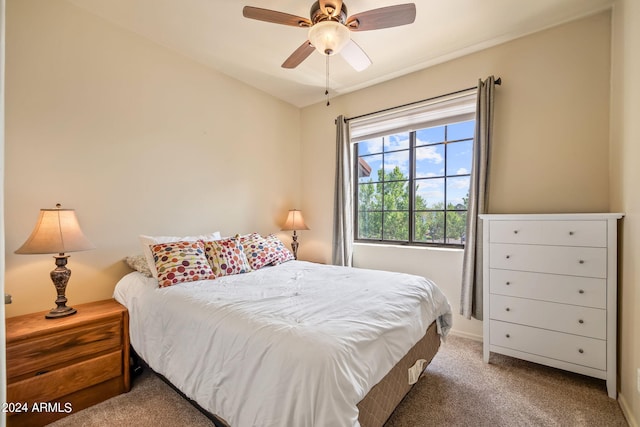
x=384 y=17
x=275 y=17
x=299 y=55
x=355 y=56
x=331 y=7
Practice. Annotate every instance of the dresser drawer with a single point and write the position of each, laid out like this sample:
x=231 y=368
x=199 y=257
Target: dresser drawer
x=585 y=321
x=38 y=355
x=558 y=233
x=575 y=261
x=575 y=349
x=582 y=291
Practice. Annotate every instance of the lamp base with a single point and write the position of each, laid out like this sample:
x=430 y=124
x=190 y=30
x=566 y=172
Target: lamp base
x=60 y=312
x=60 y=277
x=294 y=245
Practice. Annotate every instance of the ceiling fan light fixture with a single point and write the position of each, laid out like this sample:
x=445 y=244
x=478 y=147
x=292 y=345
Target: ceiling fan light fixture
x=329 y=37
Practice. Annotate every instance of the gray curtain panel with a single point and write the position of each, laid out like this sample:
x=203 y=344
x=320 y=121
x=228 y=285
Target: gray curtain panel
x=471 y=295
x=343 y=212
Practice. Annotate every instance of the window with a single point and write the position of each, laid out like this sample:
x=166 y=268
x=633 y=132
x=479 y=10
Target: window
x=412 y=186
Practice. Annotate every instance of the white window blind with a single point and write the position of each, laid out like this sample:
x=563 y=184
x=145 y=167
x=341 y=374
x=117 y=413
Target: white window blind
x=447 y=109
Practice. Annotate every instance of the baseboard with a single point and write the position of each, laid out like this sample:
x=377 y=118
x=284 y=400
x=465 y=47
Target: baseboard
x=626 y=410
x=467 y=335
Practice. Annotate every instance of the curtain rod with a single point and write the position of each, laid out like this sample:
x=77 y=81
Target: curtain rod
x=497 y=81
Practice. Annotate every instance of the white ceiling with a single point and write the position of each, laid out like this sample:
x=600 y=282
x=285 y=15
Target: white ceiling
x=214 y=33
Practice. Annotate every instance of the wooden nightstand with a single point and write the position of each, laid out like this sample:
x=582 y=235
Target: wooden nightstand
x=56 y=367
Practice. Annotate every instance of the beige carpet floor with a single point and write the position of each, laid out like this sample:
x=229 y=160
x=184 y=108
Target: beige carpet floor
x=458 y=389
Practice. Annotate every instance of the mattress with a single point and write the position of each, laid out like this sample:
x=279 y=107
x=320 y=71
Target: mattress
x=296 y=344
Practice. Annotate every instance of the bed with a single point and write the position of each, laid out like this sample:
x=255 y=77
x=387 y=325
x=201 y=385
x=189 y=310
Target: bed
x=296 y=344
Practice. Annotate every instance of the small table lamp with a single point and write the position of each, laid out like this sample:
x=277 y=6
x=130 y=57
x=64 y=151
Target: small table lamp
x=57 y=231
x=294 y=222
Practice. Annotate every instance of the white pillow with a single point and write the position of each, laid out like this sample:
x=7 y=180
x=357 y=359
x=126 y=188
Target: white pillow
x=147 y=241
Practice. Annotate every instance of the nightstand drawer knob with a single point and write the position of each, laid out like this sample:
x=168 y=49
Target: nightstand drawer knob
x=581 y=321
x=515 y=231
x=581 y=291
x=507 y=309
x=581 y=261
x=508 y=256
x=508 y=336
x=580 y=351
x=571 y=233
x=508 y=283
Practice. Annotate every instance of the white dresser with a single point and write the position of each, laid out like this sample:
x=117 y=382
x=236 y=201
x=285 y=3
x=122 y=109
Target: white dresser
x=550 y=290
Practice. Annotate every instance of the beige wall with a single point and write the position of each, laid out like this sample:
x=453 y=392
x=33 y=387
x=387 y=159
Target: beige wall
x=137 y=139
x=625 y=196
x=551 y=140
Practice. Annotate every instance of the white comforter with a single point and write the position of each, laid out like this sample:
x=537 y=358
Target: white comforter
x=299 y=344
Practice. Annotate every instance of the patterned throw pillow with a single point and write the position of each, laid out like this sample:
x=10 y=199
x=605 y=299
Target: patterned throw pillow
x=179 y=262
x=147 y=241
x=226 y=257
x=259 y=252
x=284 y=254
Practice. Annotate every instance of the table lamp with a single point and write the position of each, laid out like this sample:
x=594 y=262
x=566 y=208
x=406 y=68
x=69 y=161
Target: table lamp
x=57 y=231
x=294 y=222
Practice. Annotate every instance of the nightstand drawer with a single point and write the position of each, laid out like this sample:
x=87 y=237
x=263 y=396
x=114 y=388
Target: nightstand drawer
x=39 y=355
x=60 y=382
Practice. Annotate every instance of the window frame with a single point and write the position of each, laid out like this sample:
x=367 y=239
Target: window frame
x=411 y=182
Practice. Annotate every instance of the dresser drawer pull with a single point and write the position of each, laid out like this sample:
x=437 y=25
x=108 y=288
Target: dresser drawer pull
x=40 y=373
x=508 y=256
x=508 y=283
x=515 y=231
x=581 y=291
x=581 y=321
x=581 y=261
x=580 y=351
x=571 y=233
x=507 y=309
x=508 y=336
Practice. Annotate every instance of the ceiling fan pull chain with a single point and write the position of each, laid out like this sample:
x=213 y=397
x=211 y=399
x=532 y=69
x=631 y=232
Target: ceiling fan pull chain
x=326 y=91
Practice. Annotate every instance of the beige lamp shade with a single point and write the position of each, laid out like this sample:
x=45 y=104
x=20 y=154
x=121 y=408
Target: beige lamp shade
x=295 y=221
x=57 y=231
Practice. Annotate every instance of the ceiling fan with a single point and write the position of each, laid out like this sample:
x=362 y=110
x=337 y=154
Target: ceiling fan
x=330 y=26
